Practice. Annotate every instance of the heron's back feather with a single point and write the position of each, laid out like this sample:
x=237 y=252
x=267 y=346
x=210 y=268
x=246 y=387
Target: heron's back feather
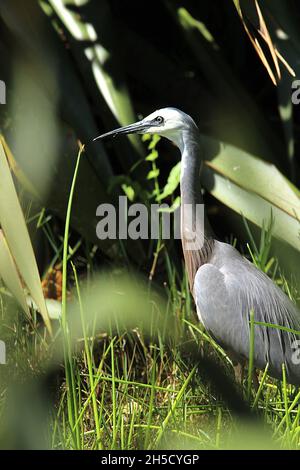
x=226 y=290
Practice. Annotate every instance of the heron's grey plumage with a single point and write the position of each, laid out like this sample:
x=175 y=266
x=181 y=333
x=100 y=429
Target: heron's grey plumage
x=226 y=287
x=225 y=290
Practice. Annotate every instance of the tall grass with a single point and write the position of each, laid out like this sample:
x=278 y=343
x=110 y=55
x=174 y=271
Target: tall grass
x=125 y=389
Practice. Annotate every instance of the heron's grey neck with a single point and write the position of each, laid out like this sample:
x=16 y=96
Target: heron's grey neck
x=193 y=226
x=190 y=168
x=190 y=173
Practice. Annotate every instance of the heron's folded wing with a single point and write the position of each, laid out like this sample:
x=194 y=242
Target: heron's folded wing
x=224 y=299
x=217 y=309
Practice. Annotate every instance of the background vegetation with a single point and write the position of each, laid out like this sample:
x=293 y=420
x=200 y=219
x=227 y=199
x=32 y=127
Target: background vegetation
x=127 y=364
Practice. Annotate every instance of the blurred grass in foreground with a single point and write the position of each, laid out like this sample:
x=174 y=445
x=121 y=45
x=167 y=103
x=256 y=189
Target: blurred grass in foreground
x=144 y=374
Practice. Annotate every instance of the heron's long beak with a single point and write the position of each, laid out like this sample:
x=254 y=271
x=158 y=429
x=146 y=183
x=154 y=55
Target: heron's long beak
x=137 y=127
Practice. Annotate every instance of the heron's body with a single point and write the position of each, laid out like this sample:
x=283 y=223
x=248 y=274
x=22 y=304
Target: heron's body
x=226 y=287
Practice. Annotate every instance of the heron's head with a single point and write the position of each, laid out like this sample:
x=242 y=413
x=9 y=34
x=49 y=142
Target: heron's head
x=167 y=122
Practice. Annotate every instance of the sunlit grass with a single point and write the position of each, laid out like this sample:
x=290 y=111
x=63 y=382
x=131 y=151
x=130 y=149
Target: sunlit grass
x=131 y=390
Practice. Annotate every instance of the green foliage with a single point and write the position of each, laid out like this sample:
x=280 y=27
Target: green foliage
x=17 y=255
x=134 y=370
x=91 y=78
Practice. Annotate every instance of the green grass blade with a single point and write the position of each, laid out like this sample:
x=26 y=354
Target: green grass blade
x=251 y=354
x=70 y=373
x=17 y=237
x=172 y=409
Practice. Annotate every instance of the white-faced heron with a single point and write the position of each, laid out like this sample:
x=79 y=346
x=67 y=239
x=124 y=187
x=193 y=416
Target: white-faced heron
x=226 y=287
